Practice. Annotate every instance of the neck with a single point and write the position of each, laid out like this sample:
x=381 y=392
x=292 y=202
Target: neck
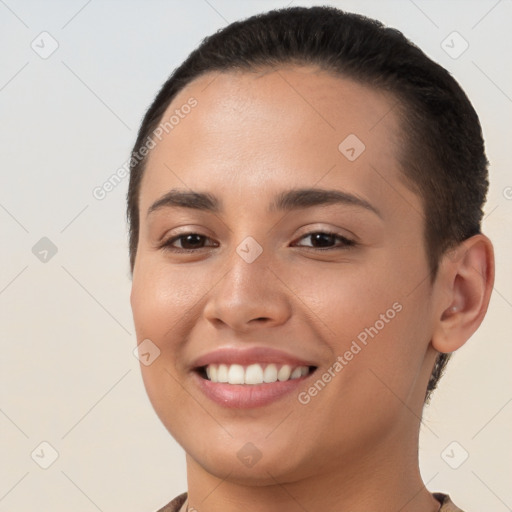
x=385 y=477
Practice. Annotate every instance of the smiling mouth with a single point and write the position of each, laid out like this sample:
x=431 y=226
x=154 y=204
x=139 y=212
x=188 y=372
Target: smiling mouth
x=253 y=374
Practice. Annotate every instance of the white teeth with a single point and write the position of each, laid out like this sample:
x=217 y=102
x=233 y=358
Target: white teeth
x=222 y=373
x=270 y=373
x=296 y=373
x=284 y=373
x=236 y=374
x=254 y=373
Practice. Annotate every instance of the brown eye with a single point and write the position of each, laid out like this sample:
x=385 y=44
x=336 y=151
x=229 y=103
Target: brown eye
x=327 y=240
x=188 y=242
x=192 y=241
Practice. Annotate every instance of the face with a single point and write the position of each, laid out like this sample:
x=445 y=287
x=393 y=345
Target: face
x=293 y=326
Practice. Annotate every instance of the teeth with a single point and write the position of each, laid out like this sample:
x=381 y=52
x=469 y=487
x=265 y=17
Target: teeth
x=222 y=373
x=296 y=373
x=284 y=373
x=236 y=374
x=254 y=373
x=270 y=373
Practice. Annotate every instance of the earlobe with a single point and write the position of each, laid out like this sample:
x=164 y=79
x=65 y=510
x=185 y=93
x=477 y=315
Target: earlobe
x=465 y=282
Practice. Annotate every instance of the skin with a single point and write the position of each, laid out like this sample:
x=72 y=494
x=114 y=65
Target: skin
x=354 y=445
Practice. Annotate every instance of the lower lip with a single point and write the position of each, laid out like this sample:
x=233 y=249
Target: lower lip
x=247 y=396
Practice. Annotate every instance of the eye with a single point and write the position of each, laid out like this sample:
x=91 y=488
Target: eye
x=189 y=242
x=323 y=240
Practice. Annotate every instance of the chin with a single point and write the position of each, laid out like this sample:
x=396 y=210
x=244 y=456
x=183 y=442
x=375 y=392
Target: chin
x=243 y=463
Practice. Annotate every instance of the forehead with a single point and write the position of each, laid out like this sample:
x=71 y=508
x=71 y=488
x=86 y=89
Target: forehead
x=275 y=127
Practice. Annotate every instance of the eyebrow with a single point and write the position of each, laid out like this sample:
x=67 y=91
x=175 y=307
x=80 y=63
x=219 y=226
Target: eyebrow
x=293 y=199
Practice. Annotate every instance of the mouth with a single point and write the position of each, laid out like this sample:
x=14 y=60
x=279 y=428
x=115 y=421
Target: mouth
x=250 y=377
x=253 y=385
x=253 y=374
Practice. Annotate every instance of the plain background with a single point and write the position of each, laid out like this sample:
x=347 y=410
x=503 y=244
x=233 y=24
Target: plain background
x=68 y=374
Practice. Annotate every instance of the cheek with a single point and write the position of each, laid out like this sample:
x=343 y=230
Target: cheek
x=347 y=298
x=368 y=314
x=161 y=301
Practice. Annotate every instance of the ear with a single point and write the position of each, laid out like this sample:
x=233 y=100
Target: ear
x=465 y=282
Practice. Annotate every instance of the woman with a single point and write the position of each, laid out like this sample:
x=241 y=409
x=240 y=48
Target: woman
x=305 y=203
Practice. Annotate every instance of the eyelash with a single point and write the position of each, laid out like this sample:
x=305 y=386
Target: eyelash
x=347 y=243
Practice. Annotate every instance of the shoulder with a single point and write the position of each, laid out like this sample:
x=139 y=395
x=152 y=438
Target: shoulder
x=175 y=504
x=447 y=504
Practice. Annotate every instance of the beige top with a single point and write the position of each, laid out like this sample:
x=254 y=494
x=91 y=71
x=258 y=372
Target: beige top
x=179 y=504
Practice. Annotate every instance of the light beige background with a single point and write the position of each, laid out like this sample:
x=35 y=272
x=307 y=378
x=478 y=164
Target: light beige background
x=68 y=374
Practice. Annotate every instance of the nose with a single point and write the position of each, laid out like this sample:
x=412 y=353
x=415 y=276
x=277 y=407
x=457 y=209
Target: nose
x=249 y=296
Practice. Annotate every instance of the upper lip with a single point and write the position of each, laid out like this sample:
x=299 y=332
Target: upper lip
x=247 y=356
